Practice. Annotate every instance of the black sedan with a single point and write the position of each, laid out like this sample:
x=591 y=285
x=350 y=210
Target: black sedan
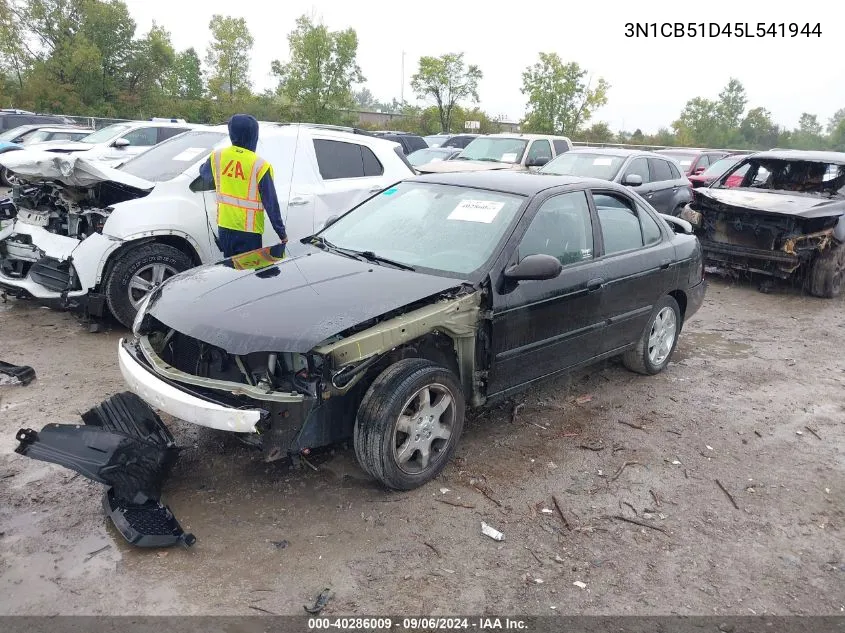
x=440 y=293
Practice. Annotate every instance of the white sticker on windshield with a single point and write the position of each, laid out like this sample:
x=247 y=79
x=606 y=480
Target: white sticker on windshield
x=476 y=211
x=509 y=157
x=189 y=154
x=603 y=161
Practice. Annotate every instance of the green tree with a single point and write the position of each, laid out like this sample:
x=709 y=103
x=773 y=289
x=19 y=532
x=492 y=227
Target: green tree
x=322 y=69
x=835 y=120
x=110 y=28
x=731 y=104
x=808 y=134
x=757 y=129
x=561 y=97
x=597 y=133
x=15 y=57
x=364 y=99
x=447 y=81
x=228 y=56
x=699 y=123
x=837 y=136
x=185 y=78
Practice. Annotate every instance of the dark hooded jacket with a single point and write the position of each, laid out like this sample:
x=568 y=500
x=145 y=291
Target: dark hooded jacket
x=243 y=132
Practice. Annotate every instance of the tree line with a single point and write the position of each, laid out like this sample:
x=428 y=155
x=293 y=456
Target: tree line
x=86 y=57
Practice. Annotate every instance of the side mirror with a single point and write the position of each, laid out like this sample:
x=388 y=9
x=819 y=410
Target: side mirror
x=698 y=170
x=537 y=161
x=121 y=143
x=534 y=268
x=677 y=224
x=632 y=180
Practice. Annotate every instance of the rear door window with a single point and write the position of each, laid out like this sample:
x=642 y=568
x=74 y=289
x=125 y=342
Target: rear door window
x=338 y=159
x=620 y=225
x=659 y=169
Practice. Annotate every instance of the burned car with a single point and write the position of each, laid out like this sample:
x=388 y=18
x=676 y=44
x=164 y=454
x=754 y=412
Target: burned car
x=440 y=293
x=778 y=213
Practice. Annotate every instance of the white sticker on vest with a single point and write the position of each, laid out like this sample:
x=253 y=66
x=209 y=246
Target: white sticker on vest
x=476 y=211
x=189 y=154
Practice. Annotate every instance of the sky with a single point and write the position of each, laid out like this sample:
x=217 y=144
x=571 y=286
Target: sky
x=651 y=78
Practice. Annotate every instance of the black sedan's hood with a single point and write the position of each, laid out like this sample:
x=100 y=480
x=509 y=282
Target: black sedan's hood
x=291 y=306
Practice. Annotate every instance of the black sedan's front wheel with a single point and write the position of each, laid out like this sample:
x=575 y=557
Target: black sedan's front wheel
x=655 y=347
x=409 y=423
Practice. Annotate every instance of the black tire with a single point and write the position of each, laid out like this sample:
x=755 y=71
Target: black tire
x=826 y=273
x=4 y=177
x=130 y=263
x=377 y=426
x=639 y=359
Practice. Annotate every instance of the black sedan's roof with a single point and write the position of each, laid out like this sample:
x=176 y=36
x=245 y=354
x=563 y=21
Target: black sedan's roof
x=506 y=181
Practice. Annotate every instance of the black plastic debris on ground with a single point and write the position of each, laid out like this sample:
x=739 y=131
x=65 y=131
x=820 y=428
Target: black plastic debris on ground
x=124 y=445
x=19 y=374
x=320 y=603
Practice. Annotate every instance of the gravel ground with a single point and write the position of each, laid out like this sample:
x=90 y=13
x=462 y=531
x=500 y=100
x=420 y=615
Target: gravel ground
x=753 y=399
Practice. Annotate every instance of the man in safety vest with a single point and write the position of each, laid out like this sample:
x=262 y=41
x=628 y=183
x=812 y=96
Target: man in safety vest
x=245 y=190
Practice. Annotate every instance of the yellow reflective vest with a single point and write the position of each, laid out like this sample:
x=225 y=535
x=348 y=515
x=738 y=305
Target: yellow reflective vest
x=237 y=172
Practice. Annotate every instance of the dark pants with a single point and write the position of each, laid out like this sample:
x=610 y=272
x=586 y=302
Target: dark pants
x=237 y=242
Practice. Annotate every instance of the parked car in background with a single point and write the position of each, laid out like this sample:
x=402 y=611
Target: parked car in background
x=712 y=173
x=19 y=137
x=518 y=152
x=436 y=140
x=654 y=177
x=90 y=236
x=118 y=142
x=693 y=161
x=410 y=143
x=459 y=140
x=784 y=218
x=432 y=155
x=10 y=119
x=444 y=292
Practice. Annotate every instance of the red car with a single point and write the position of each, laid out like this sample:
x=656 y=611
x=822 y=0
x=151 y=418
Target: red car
x=706 y=178
x=693 y=161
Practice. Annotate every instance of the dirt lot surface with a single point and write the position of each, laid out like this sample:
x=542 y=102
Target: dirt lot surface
x=753 y=399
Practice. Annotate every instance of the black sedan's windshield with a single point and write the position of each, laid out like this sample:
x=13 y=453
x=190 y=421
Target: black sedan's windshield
x=441 y=227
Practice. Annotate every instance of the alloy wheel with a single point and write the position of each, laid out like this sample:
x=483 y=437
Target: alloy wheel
x=424 y=428
x=662 y=336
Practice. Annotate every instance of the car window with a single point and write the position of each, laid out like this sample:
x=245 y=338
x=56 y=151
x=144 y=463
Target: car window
x=562 y=228
x=142 y=137
x=581 y=163
x=560 y=146
x=174 y=156
x=620 y=226
x=639 y=166
x=338 y=159
x=372 y=165
x=540 y=150
x=651 y=231
x=165 y=133
x=676 y=173
x=703 y=161
x=415 y=143
x=446 y=228
x=659 y=169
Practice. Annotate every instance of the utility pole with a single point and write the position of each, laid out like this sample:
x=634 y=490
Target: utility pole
x=402 y=89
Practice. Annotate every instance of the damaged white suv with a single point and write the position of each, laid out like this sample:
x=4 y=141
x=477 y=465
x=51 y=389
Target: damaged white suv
x=80 y=235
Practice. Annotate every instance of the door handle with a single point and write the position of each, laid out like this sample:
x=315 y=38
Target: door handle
x=665 y=264
x=595 y=284
x=298 y=201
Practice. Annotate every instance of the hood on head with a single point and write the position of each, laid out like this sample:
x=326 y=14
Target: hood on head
x=243 y=131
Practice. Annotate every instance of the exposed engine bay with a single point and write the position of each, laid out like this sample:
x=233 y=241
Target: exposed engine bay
x=70 y=211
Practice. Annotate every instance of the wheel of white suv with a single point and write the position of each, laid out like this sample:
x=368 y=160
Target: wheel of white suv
x=658 y=340
x=409 y=423
x=136 y=273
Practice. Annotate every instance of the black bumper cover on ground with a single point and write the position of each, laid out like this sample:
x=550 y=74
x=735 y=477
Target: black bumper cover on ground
x=124 y=445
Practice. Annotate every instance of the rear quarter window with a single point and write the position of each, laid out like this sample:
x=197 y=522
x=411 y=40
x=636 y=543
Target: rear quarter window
x=560 y=147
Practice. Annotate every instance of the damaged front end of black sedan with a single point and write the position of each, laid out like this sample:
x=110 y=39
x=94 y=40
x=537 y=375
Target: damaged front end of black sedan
x=780 y=216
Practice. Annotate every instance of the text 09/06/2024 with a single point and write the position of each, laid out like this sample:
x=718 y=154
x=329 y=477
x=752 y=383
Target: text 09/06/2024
x=718 y=29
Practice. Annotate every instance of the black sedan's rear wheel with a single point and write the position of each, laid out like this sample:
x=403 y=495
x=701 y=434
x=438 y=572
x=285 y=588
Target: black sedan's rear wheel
x=826 y=275
x=655 y=347
x=409 y=423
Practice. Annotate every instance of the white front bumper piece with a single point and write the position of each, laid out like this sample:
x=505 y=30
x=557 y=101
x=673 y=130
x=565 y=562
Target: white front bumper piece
x=160 y=395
